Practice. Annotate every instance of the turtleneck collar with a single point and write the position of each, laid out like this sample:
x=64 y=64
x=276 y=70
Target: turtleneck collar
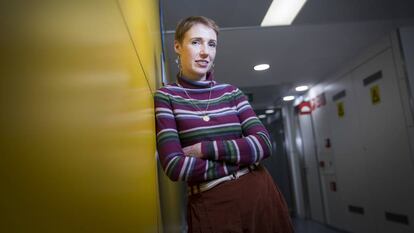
x=188 y=83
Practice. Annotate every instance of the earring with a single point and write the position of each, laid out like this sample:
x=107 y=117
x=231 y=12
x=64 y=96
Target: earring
x=178 y=62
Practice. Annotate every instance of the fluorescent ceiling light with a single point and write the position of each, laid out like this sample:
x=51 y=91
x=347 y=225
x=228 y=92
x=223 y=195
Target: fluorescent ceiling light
x=302 y=88
x=282 y=12
x=270 y=111
x=288 y=98
x=261 y=67
x=262 y=116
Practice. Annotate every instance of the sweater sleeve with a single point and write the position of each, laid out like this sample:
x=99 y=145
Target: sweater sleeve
x=253 y=147
x=175 y=164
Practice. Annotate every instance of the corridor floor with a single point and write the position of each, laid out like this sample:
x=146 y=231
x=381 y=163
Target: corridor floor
x=308 y=226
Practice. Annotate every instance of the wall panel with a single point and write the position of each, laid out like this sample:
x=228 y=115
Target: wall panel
x=77 y=125
x=370 y=144
x=146 y=36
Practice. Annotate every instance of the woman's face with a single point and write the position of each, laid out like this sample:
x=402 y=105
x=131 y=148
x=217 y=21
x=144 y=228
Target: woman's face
x=197 y=51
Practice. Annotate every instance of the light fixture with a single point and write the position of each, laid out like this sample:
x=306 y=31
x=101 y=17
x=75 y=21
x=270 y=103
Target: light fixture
x=270 y=111
x=282 y=12
x=262 y=116
x=288 y=98
x=302 y=88
x=261 y=67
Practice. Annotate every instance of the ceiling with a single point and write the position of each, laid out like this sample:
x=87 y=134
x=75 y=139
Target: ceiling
x=325 y=35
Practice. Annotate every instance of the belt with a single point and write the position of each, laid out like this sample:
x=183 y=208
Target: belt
x=194 y=189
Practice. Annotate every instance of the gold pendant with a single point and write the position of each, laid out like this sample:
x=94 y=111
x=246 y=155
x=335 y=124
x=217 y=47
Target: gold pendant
x=206 y=118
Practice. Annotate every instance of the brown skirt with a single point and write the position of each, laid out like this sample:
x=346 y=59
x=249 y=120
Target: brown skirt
x=250 y=204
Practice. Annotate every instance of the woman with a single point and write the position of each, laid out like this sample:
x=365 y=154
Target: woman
x=209 y=136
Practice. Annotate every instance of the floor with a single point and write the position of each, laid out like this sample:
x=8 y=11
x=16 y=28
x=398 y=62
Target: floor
x=308 y=226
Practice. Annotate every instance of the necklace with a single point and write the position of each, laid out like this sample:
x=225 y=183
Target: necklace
x=205 y=117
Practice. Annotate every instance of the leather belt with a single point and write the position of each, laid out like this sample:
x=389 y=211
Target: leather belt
x=194 y=189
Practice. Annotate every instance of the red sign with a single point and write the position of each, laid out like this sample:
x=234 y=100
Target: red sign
x=305 y=108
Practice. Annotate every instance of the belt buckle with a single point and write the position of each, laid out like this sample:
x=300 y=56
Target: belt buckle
x=235 y=176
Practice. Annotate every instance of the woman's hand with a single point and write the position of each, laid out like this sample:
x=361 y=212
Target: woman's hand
x=193 y=150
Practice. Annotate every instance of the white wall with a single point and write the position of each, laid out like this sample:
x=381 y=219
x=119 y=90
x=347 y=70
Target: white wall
x=407 y=42
x=294 y=160
x=311 y=171
x=369 y=158
x=407 y=45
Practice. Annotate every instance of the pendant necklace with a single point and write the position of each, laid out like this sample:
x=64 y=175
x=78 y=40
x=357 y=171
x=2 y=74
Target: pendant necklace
x=205 y=117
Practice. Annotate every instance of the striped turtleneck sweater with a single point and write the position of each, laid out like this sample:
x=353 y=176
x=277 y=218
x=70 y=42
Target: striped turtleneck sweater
x=233 y=138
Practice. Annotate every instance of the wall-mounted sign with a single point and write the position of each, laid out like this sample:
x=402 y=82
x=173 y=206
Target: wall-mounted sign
x=304 y=108
x=340 y=109
x=375 y=94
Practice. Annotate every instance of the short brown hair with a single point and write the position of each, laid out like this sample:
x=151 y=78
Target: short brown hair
x=184 y=25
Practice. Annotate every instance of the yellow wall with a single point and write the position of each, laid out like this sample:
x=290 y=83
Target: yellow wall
x=77 y=125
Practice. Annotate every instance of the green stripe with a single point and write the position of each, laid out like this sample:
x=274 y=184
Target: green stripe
x=232 y=151
x=221 y=134
x=206 y=132
x=161 y=97
x=210 y=150
x=251 y=123
x=266 y=139
x=166 y=136
x=239 y=95
x=226 y=149
x=172 y=167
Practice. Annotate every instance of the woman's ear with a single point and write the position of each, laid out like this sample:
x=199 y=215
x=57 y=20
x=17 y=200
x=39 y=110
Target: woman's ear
x=177 y=47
